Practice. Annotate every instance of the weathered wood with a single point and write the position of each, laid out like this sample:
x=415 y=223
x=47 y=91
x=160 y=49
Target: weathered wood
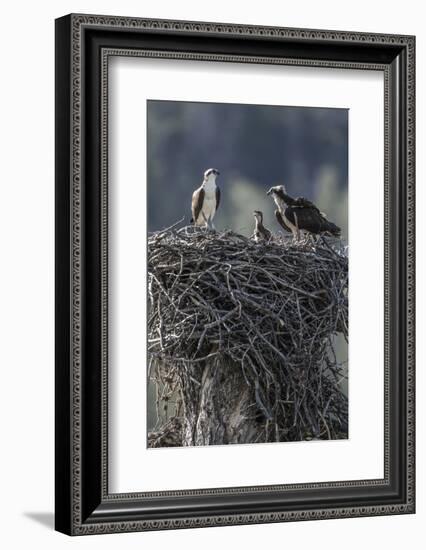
x=221 y=411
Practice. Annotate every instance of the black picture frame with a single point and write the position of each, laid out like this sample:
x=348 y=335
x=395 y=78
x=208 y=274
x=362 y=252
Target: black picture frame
x=83 y=44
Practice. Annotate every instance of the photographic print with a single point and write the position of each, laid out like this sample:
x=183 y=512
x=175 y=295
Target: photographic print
x=247 y=273
x=204 y=312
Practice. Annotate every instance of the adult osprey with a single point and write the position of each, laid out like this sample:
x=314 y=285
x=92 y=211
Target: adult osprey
x=300 y=215
x=206 y=199
x=261 y=233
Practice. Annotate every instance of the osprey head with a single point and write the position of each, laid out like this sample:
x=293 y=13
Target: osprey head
x=211 y=172
x=277 y=190
x=258 y=215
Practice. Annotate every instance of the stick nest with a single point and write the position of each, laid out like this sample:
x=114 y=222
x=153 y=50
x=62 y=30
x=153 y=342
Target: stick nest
x=273 y=309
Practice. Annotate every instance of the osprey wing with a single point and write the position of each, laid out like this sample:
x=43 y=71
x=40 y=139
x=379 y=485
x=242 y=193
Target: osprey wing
x=304 y=203
x=310 y=219
x=266 y=234
x=217 y=197
x=197 y=203
x=281 y=221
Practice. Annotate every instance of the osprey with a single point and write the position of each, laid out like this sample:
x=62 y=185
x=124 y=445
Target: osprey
x=299 y=214
x=261 y=233
x=205 y=200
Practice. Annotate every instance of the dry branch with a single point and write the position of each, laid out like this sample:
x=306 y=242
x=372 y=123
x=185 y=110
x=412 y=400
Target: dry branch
x=222 y=304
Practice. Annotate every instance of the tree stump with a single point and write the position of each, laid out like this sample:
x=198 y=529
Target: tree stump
x=218 y=408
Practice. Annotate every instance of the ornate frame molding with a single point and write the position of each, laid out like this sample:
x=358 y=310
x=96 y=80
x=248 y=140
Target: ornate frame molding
x=72 y=45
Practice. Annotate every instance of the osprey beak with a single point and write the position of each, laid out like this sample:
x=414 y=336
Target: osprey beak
x=269 y=192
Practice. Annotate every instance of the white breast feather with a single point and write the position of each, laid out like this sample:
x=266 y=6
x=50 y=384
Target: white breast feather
x=209 y=206
x=209 y=203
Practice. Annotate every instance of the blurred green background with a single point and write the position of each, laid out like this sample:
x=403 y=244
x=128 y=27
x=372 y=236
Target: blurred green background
x=253 y=147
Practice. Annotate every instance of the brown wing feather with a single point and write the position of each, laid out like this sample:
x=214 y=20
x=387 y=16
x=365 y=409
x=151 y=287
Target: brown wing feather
x=281 y=221
x=266 y=234
x=311 y=220
x=217 y=197
x=307 y=218
x=305 y=203
x=197 y=203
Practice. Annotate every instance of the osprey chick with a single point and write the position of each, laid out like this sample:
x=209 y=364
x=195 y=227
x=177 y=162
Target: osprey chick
x=300 y=215
x=261 y=233
x=205 y=200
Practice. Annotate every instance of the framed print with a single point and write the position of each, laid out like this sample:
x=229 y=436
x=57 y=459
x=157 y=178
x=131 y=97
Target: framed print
x=234 y=274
